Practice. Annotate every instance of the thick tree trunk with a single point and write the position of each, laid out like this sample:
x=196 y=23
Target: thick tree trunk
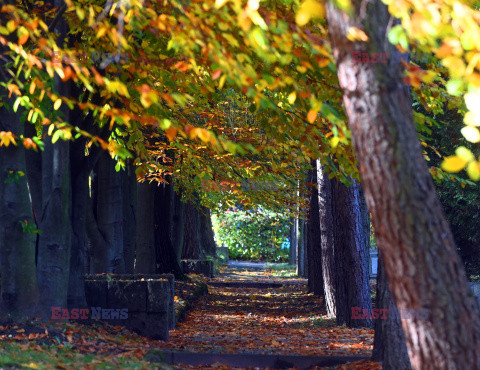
x=315 y=274
x=76 y=291
x=54 y=244
x=145 y=253
x=177 y=228
x=129 y=193
x=53 y=267
x=166 y=258
x=192 y=249
x=389 y=344
x=420 y=259
x=19 y=294
x=327 y=241
x=110 y=212
x=207 y=239
x=351 y=255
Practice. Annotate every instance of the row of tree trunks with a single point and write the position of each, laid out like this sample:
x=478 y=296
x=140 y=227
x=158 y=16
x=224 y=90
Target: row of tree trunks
x=421 y=263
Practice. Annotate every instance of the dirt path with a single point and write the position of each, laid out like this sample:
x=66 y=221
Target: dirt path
x=283 y=320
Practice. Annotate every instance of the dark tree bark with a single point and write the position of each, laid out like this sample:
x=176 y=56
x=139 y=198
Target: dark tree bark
x=192 y=249
x=145 y=252
x=301 y=248
x=419 y=254
x=207 y=239
x=98 y=248
x=177 y=228
x=389 y=344
x=19 y=292
x=327 y=241
x=129 y=199
x=54 y=244
x=351 y=255
x=315 y=274
x=110 y=212
x=166 y=258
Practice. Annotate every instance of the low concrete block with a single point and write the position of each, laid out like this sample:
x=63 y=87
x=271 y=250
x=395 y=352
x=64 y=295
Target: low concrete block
x=130 y=294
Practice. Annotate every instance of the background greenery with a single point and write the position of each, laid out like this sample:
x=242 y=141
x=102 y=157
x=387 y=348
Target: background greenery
x=256 y=235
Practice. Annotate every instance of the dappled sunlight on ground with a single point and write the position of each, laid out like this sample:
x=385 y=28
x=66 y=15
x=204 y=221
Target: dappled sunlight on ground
x=286 y=320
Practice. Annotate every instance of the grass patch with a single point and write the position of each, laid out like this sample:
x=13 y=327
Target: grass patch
x=16 y=355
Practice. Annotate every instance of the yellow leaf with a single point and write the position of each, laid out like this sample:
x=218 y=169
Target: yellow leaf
x=471 y=134
x=453 y=164
x=355 y=34
x=292 y=97
x=473 y=170
x=101 y=31
x=464 y=153
x=57 y=104
x=309 y=9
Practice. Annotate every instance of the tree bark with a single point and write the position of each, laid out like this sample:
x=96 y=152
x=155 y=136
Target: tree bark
x=110 y=212
x=192 y=249
x=389 y=343
x=351 y=255
x=420 y=259
x=301 y=248
x=129 y=199
x=327 y=241
x=207 y=239
x=145 y=253
x=166 y=258
x=177 y=228
x=19 y=292
x=315 y=274
x=292 y=252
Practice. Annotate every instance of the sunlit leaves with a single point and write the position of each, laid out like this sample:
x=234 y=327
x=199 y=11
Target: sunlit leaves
x=453 y=164
x=7 y=138
x=472 y=134
x=309 y=9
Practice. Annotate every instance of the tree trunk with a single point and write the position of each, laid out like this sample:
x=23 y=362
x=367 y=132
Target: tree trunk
x=110 y=212
x=351 y=255
x=192 y=249
x=54 y=244
x=389 y=344
x=301 y=248
x=207 y=239
x=327 y=241
x=98 y=247
x=166 y=258
x=19 y=292
x=145 y=253
x=419 y=255
x=292 y=252
x=177 y=228
x=129 y=199
x=315 y=274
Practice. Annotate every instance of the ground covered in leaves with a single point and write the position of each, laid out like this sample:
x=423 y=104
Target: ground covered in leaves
x=281 y=320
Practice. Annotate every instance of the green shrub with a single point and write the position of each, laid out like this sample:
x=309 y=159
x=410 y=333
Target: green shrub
x=259 y=235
